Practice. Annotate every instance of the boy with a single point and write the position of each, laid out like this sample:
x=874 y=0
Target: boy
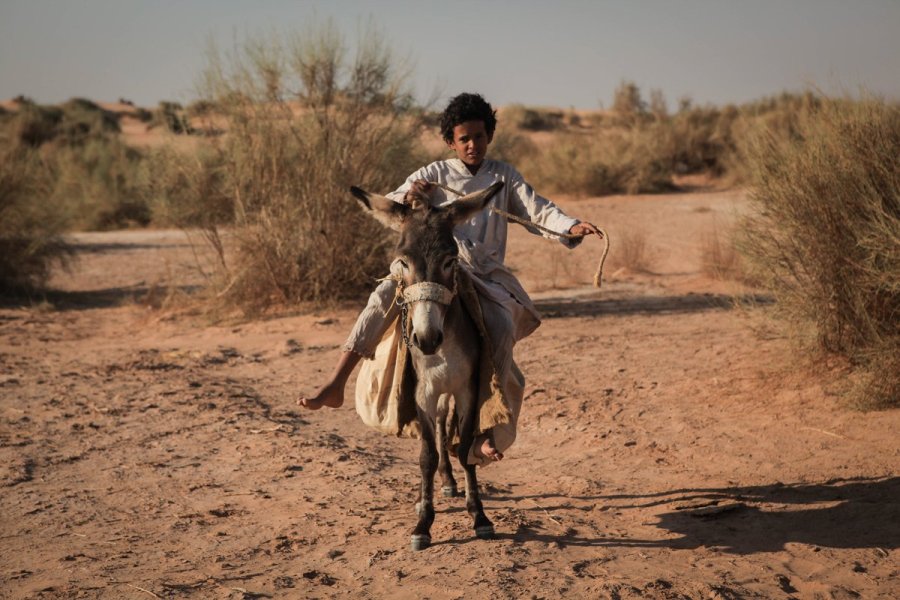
x=467 y=127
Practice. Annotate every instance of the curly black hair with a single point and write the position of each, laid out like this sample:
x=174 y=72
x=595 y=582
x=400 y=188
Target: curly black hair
x=467 y=107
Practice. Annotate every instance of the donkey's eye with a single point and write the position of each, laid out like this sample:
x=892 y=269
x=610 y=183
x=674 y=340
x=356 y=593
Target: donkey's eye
x=449 y=263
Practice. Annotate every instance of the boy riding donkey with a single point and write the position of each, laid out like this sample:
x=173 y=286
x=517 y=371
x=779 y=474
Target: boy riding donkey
x=467 y=126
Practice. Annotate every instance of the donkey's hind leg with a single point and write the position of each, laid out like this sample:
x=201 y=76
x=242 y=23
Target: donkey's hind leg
x=428 y=460
x=442 y=435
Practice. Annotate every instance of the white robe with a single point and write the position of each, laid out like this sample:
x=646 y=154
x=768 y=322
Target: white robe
x=509 y=314
x=482 y=239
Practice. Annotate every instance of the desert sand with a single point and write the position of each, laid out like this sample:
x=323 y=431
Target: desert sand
x=671 y=444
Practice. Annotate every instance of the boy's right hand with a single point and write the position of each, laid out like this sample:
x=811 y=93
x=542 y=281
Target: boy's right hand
x=418 y=191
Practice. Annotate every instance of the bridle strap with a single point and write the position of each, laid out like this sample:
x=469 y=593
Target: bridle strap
x=428 y=290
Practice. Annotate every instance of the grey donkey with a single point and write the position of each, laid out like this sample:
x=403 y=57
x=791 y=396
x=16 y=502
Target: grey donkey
x=443 y=342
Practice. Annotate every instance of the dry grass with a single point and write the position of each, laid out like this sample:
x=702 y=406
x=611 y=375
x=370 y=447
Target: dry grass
x=304 y=123
x=30 y=227
x=638 y=146
x=719 y=257
x=631 y=251
x=826 y=234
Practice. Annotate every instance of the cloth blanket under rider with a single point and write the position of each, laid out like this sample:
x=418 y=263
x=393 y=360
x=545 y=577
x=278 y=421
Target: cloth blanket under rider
x=385 y=388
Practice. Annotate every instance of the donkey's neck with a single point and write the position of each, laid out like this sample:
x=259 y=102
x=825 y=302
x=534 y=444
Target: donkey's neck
x=453 y=365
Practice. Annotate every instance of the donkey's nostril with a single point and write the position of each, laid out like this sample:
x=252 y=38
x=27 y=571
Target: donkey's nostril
x=438 y=339
x=415 y=340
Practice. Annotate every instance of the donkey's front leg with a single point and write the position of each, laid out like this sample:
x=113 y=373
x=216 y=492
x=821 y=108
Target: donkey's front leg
x=428 y=460
x=484 y=529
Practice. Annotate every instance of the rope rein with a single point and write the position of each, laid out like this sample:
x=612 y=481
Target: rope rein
x=597 y=276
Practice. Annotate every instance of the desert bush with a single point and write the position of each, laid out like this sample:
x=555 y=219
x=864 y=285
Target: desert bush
x=512 y=147
x=826 y=233
x=200 y=108
x=30 y=227
x=83 y=120
x=143 y=115
x=171 y=116
x=93 y=180
x=628 y=105
x=611 y=161
x=719 y=257
x=632 y=251
x=99 y=184
x=305 y=123
x=72 y=123
x=35 y=125
x=532 y=119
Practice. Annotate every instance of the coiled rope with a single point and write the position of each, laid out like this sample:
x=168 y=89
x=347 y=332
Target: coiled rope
x=597 y=276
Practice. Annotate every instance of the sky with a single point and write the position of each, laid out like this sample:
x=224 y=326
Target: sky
x=561 y=53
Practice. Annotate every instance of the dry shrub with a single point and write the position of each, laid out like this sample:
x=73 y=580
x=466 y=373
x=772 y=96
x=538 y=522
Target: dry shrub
x=512 y=147
x=632 y=251
x=172 y=117
x=90 y=177
x=720 y=259
x=30 y=227
x=99 y=184
x=612 y=161
x=531 y=119
x=304 y=124
x=826 y=233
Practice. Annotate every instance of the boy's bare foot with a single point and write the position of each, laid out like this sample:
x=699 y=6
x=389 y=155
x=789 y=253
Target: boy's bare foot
x=332 y=396
x=484 y=448
x=332 y=393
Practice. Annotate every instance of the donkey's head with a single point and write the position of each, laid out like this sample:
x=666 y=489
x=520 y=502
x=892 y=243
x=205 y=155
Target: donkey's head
x=427 y=254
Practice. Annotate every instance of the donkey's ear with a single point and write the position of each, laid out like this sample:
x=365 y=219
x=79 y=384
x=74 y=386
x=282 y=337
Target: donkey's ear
x=389 y=213
x=465 y=207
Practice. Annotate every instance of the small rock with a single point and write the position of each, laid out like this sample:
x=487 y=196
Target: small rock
x=290 y=346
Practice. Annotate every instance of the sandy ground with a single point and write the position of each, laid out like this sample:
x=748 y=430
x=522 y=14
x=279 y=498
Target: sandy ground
x=670 y=446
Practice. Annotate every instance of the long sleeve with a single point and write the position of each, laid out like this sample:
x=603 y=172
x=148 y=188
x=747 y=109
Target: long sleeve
x=527 y=204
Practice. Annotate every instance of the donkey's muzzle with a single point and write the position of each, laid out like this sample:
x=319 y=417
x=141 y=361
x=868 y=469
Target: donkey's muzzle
x=428 y=344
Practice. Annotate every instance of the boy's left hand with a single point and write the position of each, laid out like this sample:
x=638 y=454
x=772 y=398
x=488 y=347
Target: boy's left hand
x=584 y=228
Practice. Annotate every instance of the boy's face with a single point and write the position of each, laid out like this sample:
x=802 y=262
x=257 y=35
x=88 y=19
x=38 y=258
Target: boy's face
x=470 y=142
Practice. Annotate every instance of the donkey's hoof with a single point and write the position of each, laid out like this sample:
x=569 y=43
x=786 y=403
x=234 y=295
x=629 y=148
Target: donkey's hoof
x=484 y=532
x=420 y=541
x=449 y=491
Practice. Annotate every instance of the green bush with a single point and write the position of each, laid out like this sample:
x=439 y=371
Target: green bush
x=826 y=232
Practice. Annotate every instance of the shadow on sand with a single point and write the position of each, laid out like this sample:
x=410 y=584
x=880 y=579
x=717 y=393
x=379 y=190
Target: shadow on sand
x=689 y=303
x=842 y=513
x=90 y=299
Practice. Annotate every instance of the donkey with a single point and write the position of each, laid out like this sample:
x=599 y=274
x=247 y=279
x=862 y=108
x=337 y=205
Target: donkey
x=443 y=343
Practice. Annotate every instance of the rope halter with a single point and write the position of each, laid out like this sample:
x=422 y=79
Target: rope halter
x=427 y=291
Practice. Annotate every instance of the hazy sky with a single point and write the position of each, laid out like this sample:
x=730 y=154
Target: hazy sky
x=560 y=53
